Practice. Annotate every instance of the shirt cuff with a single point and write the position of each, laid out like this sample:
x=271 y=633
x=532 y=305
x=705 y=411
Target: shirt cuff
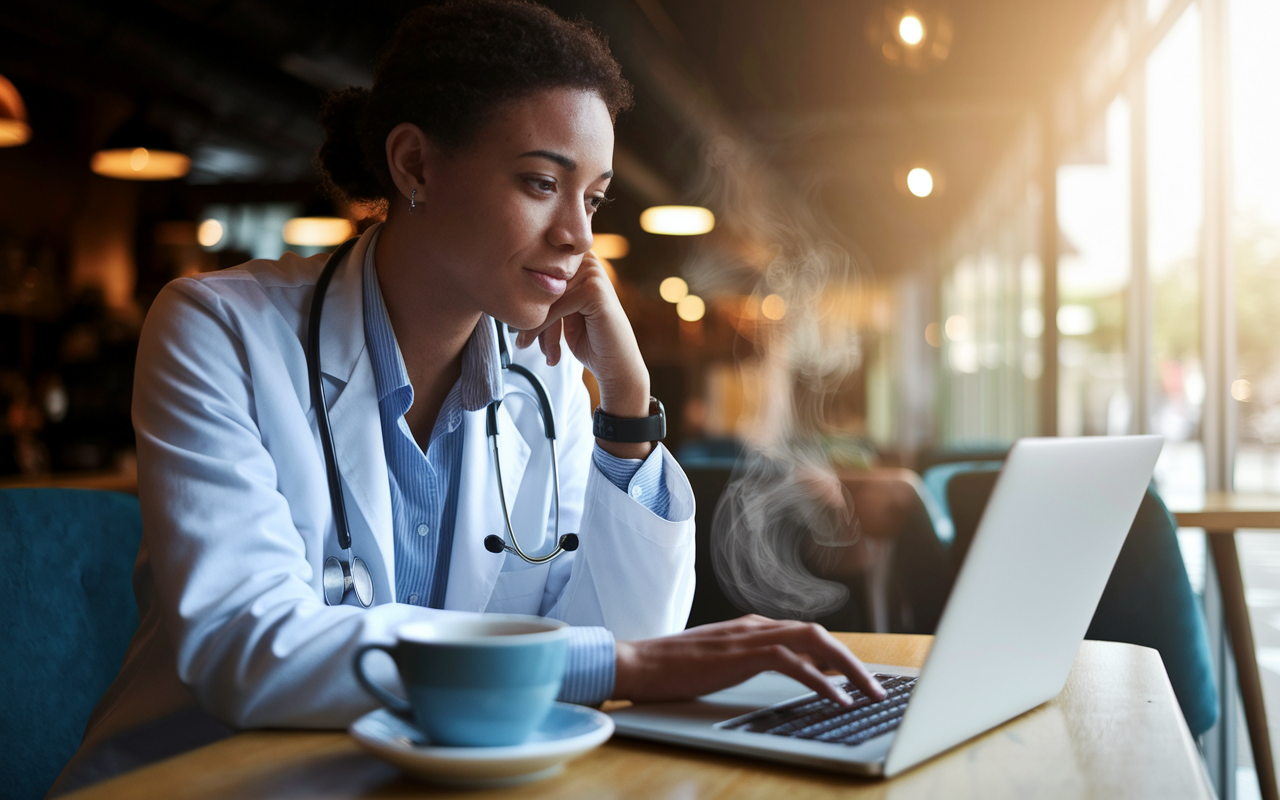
x=644 y=480
x=588 y=677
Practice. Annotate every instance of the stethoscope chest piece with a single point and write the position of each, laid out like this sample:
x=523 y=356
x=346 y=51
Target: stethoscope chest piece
x=338 y=578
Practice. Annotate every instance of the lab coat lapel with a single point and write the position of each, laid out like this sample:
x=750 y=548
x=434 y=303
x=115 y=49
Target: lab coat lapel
x=355 y=421
x=473 y=570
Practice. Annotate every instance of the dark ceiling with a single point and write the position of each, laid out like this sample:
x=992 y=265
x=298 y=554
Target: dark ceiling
x=238 y=83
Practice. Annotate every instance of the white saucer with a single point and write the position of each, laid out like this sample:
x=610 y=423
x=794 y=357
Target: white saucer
x=567 y=732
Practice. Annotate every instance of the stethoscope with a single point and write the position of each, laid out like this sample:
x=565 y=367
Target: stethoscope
x=350 y=573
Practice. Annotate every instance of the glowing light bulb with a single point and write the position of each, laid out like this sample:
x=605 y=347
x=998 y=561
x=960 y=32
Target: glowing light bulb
x=209 y=233
x=691 y=308
x=773 y=307
x=138 y=159
x=920 y=182
x=673 y=289
x=911 y=29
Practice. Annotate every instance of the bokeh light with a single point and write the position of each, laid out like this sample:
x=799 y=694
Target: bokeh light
x=209 y=233
x=140 y=164
x=691 y=308
x=956 y=328
x=673 y=289
x=317 y=231
x=773 y=307
x=611 y=245
x=677 y=220
x=1077 y=320
x=911 y=29
x=920 y=182
x=1242 y=390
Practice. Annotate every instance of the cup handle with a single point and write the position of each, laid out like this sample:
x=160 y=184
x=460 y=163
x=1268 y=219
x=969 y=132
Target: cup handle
x=396 y=704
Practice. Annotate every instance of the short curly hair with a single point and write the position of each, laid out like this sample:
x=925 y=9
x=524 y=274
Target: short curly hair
x=446 y=68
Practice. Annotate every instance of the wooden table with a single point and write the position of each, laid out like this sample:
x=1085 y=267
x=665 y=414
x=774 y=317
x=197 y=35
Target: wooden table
x=1221 y=515
x=1114 y=731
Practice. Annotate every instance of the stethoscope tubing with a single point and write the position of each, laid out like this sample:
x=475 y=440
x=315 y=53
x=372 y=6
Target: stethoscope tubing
x=338 y=576
x=318 y=401
x=342 y=575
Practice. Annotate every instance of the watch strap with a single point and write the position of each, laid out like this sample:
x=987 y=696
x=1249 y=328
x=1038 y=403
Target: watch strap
x=652 y=428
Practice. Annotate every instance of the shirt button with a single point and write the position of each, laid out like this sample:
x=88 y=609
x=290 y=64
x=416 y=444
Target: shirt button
x=637 y=492
x=413 y=598
x=423 y=530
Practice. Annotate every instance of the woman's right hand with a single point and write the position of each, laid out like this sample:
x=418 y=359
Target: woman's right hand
x=709 y=658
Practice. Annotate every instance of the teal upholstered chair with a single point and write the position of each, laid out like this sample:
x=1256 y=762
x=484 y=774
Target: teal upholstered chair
x=71 y=613
x=1148 y=600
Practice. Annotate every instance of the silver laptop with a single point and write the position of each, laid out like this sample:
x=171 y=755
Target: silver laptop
x=1024 y=597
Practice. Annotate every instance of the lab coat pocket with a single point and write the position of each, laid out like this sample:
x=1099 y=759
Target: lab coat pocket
x=519 y=591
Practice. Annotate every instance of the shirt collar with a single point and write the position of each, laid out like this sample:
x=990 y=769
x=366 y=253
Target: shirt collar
x=481 y=381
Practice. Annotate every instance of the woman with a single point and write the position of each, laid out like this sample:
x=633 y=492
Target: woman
x=487 y=138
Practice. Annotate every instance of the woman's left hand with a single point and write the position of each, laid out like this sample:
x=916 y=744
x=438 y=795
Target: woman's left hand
x=591 y=319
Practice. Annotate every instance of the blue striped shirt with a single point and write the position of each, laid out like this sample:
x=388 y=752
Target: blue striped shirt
x=424 y=486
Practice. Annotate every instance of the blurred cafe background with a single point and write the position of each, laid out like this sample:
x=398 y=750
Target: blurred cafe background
x=906 y=232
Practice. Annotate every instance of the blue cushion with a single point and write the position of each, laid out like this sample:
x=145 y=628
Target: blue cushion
x=71 y=615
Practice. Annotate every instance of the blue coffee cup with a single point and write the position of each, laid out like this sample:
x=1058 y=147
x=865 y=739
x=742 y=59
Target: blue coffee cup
x=478 y=681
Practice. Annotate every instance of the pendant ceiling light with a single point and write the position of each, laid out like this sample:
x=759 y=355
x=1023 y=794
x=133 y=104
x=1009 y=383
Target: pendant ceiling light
x=14 y=129
x=915 y=36
x=138 y=152
x=677 y=220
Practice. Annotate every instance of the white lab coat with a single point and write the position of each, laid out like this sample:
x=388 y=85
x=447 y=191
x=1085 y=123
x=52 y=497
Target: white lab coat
x=237 y=518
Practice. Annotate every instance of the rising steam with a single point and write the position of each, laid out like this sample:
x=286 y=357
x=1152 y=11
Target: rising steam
x=783 y=497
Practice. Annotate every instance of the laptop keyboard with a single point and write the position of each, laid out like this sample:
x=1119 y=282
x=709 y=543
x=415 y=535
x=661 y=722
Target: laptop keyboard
x=823 y=720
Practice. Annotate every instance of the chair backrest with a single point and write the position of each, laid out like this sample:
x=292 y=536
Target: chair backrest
x=892 y=505
x=720 y=452
x=919 y=574
x=936 y=479
x=1148 y=600
x=955 y=453
x=71 y=614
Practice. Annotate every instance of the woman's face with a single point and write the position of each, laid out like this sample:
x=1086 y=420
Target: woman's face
x=504 y=222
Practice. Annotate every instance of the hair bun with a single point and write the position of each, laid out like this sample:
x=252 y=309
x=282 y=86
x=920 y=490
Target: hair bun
x=341 y=158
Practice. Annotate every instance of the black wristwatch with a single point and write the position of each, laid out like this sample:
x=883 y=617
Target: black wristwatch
x=646 y=429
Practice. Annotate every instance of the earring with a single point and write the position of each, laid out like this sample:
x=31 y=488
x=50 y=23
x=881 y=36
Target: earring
x=413 y=205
